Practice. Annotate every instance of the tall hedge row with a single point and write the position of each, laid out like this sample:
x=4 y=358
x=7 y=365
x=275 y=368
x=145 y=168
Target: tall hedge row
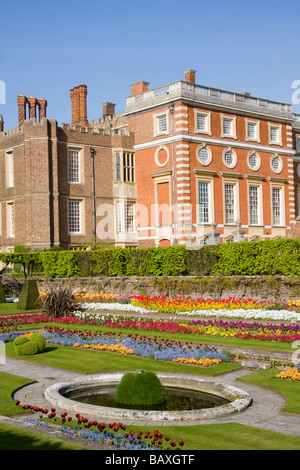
x=244 y=258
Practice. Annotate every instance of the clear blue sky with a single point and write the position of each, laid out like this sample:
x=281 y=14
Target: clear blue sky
x=49 y=47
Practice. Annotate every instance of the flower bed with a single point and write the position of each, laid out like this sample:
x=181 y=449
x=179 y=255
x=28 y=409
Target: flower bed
x=161 y=350
x=225 y=308
x=293 y=373
x=289 y=332
x=113 y=434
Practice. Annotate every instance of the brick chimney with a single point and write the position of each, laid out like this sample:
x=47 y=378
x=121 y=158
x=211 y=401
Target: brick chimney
x=190 y=76
x=42 y=104
x=32 y=107
x=108 y=109
x=78 y=96
x=139 y=87
x=21 y=99
x=32 y=102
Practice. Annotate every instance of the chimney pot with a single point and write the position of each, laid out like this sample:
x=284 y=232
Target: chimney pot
x=139 y=88
x=108 y=109
x=190 y=76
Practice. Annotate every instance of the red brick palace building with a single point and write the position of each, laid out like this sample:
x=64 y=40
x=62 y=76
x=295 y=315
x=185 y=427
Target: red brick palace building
x=184 y=164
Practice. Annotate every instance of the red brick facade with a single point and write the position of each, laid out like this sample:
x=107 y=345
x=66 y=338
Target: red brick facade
x=37 y=190
x=214 y=150
x=184 y=164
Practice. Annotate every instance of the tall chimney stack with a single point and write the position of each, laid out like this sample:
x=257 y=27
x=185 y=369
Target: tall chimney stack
x=21 y=99
x=108 y=109
x=78 y=96
x=42 y=103
x=32 y=107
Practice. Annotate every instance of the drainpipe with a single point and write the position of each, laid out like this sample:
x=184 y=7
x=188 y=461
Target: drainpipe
x=92 y=153
x=173 y=174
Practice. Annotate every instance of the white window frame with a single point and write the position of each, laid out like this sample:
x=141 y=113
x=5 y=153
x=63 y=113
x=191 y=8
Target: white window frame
x=232 y=135
x=279 y=134
x=236 y=205
x=118 y=167
x=119 y=218
x=122 y=226
x=280 y=187
x=156 y=123
x=80 y=204
x=210 y=194
x=9 y=159
x=258 y=161
x=128 y=167
x=258 y=185
x=207 y=126
x=280 y=162
x=130 y=228
x=234 y=158
x=256 y=137
x=156 y=155
x=209 y=156
x=11 y=219
x=79 y=151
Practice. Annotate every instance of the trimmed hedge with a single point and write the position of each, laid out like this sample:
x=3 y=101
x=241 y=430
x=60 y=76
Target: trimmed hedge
x=116 y=262
x=245 y=258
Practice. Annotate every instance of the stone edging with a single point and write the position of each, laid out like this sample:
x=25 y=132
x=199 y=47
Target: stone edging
x=240 y=400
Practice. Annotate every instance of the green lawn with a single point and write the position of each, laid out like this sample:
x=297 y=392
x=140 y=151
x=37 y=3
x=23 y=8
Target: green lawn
x=11 y=308
x=289 y=389
x=14 y=438
x=229 y=436
x=9 y=384
x=88 y=362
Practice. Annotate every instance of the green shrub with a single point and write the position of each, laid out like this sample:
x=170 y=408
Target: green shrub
x=30 y=344
x=140 y=388
x=27 y=349
x=268 y=257
x=38 y=339
x=20 y=340
x=2 y=294
x=29 y=297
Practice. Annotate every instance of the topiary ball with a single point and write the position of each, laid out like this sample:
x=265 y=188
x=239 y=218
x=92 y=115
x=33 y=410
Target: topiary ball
x=30 y=344
x=20 y=340
x=140 y=388
x=39 y=339
x=27 y=349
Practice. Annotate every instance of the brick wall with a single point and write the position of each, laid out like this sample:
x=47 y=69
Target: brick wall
x=189 y=170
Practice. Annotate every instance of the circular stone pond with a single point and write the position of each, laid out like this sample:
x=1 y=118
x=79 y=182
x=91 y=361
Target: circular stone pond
x=202 y=399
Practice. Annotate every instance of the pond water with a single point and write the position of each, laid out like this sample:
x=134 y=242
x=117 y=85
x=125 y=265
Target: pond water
x=177 y=399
